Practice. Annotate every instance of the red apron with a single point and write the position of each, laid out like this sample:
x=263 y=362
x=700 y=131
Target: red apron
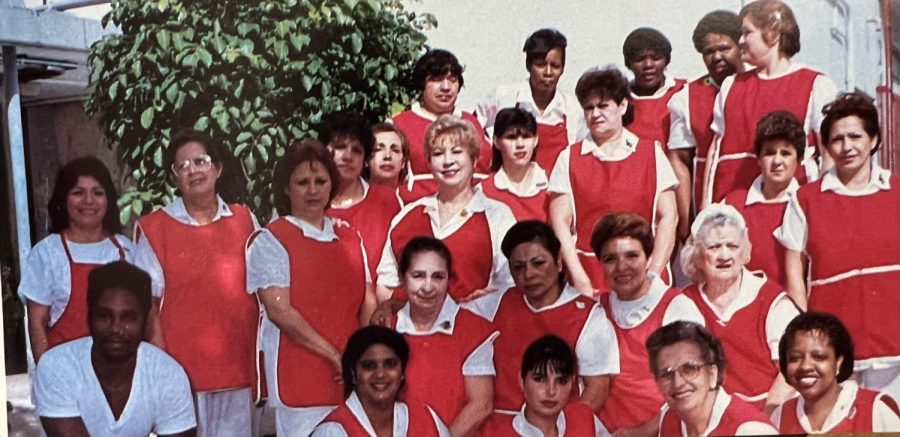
x=73 y=323
x=552 y=140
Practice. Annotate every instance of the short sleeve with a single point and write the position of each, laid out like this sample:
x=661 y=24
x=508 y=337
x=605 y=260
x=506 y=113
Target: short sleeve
x=559 y=182
x=37 y=280
x=665 y=176
x=680 y=134
x=500 y=220
x=387 y=266
x=884 y=418
x=824 y=91
x=145 y=258
x=597 y=348
x=176 y=403
x=268 y=264
x=684 y=309
x=56 y=386
x=756 y=428
x=792 y=233
x=718 y=123
x=481 y=361
x=780 y=314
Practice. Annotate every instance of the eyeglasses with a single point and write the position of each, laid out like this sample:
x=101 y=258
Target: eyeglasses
x=201 y=163
x=687 y=370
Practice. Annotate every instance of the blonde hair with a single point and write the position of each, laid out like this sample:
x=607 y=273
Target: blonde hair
x=457 y=131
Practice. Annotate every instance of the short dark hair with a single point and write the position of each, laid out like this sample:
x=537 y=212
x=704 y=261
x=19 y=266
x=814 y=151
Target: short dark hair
x=119 y=275
x=360 y=341
x=780 y=125
x=850 y=104
x=231 y=185
x=608 y=83
x=533 y=231
x=299 y=153
x=435 y=63
x=710 y=347
x=508 y=119
x=67 y=177
x=774 y=18
x=546 y=353
x=350 y=124
x=620 y=225
x=645 y=38
x=838 y=337
x=542 y=42
x=423 y=244
x=719 y=22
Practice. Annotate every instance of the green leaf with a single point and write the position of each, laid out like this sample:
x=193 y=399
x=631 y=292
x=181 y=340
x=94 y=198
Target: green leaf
x=147 y=117
x=243 y=136
x=205 y=56
x=137 y=206
x=172 y=92
x=280 y=49
x=113 y=89
x=202 y=123
x=307 y=82
x=299 y=41
x=356 y=43
x=163 y=37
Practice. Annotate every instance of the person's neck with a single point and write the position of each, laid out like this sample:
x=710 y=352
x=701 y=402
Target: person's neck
x=817 y=410
x=451 y=200
x=542 y=98
x=516 y=173
x=112 y=372
x=774 y=191
x=858 y=180
x=723 y=292
x=546 y=299
x=643 y=92
x=638 y=294
x=391 y=183
x=776 y=65
x=547 y=425
x=432 y=113
x=77 y=234
x=350 y=193
x=696 y=420
x=315 y=220
x=202 y=209
x=380 y=415
x=424 y=319
x=611 y=139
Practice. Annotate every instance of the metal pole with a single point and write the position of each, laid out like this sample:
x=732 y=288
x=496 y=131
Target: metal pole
x=15 y=144
x=64 y=5
x=888 y=152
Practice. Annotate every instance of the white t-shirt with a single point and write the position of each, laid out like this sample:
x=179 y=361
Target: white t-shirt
x=563 y=108
x=401 y=421
x=630 y=313
x=680 y=134
x=66 y=386
x=46 y=276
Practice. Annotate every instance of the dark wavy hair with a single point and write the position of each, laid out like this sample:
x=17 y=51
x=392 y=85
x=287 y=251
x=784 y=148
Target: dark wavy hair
x=533 y=231
x=850 y=104
x=231 y=185
x=646 y=38
x=719 y=22
x=360 y=341
x=435 y=63
x=67 y=177
x=608 y=83
x=299 y=153
x=780 y=125
x=620 y=225
x=507 y=119
x=542 y=42
x=838 y=338
x=350 y=124
x=710 y=347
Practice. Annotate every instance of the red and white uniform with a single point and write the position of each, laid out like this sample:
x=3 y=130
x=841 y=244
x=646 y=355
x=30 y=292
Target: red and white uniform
x=691 y=112
x=576 y=319
x=651 y=113
x=633 y=322
x=744 y=99
x=55 y=274
x=730 y=416
x=371 y=216
x=460 y=344
x=575 y=420
x=749 y=329
x=628 y=176
x=350 y=420
x=763 y=217
x=526 y=204
x=561 y=123
x=853 y=243
x=857 y=410
x=414 y=122
x=325 y=270
x=473 y=237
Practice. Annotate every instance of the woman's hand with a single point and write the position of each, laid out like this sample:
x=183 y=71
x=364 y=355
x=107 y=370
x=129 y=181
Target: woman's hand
x=385 y=311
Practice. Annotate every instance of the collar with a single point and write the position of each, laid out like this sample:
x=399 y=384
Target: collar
x=751 y=283
x=419 y=110
x=718 y=410
x=842 y=408
x=628 y=314
x=708 y=80
x=879 y=180
x=554 y=113
x=179 y=212
x=568 y=294
x=356 y=408
x=535 y=181
x=309 y=231
x=525 y=429
x=365 y=186
x=617 y=151
x=444 y=324
x=667 y=84
x=794 y=67
x=755 y=194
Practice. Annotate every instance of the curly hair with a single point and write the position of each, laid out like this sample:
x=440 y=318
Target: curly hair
x=719 y=22
x=847 y=105
x=300 y=152
x=780 y=125
x=67 y=177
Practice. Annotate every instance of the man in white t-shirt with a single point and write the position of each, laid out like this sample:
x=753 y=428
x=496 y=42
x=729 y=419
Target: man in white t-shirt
x=111 y=383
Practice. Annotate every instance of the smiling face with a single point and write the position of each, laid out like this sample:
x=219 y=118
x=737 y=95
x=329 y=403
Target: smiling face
x=684 y=379
x=546 y=395
x=451 y=164
x=440 y=93
x=536 y=273
x=721 y=55
x=379 y=374
x=86 y=204
x=754 y=48
x=723 y=254
x=649 y=68
x=850 y=146
x=387 y=158
x=625 y=266
x=117 y=325
x=198 y=177
x=603 y=117
x=308 y=189
x=812 y=367
x=544 y=74
x=427 y=280
x=348 y=155
x=516 y=147
x=778 y=162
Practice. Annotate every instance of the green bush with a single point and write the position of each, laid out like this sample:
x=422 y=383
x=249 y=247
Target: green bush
x=255 y=75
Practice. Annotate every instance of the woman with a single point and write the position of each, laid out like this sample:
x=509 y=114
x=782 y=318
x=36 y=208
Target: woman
x=193 y=249
x=368 y=208
x=546 y=378
x=438 y=77
x=557 y=112
x=540 y=304
x=611 y=170
x=389 y=159
x=816 y=358
x=310 y=275
x=747 y=312
x=85 y=233
x=639 y=304
x=688 y=363
x=373 y=368
x=451 y=367
x=843 y=229
x=779 y=145
x=469 y=223
x=518 y=181
x=769 y=38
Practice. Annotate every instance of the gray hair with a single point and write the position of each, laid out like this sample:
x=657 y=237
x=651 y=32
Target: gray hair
x=712 y=217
